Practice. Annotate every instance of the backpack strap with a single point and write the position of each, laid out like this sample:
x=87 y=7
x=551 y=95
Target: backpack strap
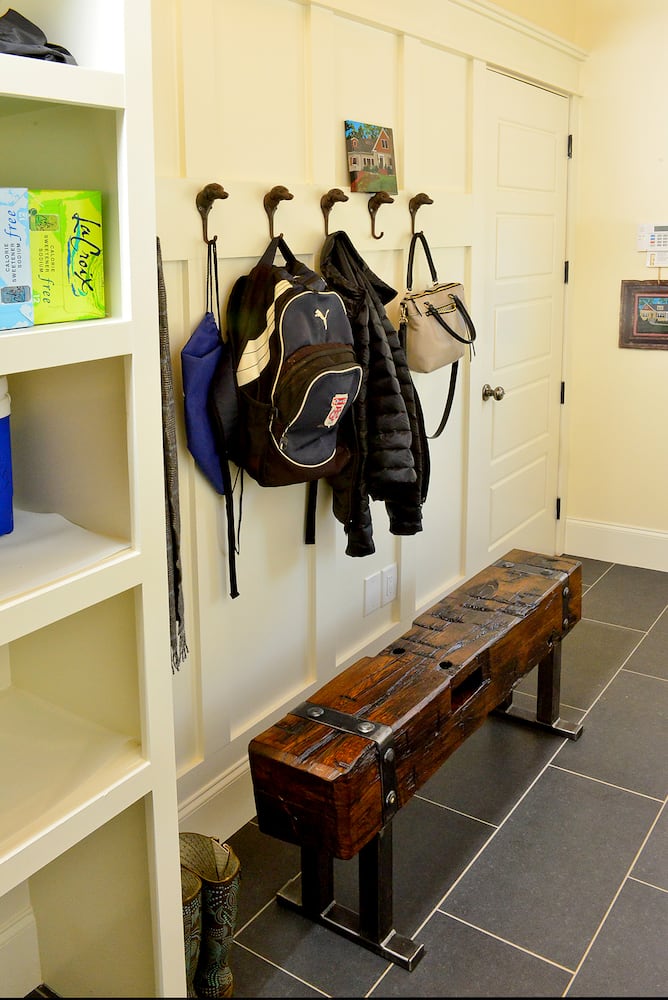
x=311 y=504
x=269 y=255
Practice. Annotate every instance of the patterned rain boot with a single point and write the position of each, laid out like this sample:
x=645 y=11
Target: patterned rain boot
x=218 y=868
x=191 y=898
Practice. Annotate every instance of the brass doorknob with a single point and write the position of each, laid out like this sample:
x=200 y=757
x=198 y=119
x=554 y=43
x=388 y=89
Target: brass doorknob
x=488 y=392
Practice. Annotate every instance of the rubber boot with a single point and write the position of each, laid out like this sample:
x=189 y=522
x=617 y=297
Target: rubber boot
x=191 y=899
x=218 y=868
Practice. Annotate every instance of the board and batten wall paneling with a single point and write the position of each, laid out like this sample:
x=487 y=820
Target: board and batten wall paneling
x=250 y=96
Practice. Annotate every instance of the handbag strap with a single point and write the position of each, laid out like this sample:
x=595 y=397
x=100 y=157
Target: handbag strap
x=448 y=403
x=434 y=313
x=411 y=255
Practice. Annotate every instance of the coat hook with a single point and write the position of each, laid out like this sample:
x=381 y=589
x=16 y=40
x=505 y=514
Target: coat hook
x=204 y=201
x=414 y=204
x=378 y=199
x=328 y=201
x=271 y=200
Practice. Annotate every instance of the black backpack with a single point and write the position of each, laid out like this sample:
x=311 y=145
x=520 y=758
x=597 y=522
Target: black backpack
x=295 y=375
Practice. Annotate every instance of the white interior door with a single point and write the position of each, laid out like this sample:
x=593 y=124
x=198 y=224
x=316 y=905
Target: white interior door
x=515 y=427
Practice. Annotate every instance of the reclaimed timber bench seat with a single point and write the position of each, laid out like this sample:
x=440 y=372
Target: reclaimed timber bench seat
x=334 y=771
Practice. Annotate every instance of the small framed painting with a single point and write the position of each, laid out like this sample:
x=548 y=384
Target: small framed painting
x=643 y=315
x=371 y=160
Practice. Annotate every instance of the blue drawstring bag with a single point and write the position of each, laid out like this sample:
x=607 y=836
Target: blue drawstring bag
x=204 y=354
x=199 y=359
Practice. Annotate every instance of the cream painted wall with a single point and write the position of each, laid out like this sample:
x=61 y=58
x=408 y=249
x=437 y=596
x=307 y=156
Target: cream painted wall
x=617 y=452
x=557 y=16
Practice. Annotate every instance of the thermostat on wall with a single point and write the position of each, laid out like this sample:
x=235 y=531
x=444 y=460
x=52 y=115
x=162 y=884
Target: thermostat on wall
x=652 y=237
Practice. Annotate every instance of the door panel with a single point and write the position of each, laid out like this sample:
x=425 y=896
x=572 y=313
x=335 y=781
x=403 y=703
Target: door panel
x=520 y=343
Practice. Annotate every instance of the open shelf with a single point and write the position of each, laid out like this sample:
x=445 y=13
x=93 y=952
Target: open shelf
x=52 y=764
x=70 y=721
x=92 y=915
x=46 y=548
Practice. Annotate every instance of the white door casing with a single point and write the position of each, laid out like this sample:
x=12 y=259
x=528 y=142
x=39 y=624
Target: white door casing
x=515 y=430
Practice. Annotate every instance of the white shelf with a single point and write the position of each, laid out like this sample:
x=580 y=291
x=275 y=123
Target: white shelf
x=45 y=548
x=64 y=343
x=50 y=82
x=52 y=764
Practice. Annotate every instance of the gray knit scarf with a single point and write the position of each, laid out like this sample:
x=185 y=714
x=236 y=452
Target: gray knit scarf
x=172 y=512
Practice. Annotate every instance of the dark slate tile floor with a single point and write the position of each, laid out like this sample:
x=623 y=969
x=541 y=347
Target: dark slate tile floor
x=529 y=865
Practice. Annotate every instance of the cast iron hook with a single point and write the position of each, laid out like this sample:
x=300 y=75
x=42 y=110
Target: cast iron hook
x=328 y=201
x=271 y=201
x=204 y=201
x=378 y=199
x=414 y=204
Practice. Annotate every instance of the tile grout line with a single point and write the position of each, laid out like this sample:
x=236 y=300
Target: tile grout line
x=614 y=899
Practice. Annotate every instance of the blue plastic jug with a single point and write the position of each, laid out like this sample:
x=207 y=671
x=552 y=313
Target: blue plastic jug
x=6 y=481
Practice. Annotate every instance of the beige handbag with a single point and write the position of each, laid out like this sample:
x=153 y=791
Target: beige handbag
x=435 y=327
x=438 y=327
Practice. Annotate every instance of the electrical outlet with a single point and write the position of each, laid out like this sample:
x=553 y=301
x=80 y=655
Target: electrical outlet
x=388 y=584
x=371 y=593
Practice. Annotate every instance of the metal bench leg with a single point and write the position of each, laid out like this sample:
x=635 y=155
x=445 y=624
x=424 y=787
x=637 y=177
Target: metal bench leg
x=548 y=696
x=312 y=895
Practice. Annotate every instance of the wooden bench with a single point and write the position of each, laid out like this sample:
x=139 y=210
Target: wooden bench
x=333 y=772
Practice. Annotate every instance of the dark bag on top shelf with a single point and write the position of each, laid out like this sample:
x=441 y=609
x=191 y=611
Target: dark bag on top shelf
x=20 y=37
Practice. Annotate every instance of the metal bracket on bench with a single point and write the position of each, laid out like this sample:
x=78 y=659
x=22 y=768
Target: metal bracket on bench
x=380 y=734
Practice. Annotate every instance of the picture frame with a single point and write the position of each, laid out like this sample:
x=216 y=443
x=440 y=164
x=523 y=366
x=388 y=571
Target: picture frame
x=371 y=157
x=643 y=315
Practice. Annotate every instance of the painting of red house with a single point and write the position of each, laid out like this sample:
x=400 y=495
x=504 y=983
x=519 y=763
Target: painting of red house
x=371 y=160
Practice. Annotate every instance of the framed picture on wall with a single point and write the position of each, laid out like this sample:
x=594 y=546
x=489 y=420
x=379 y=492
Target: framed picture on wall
x=643 y=315
x=371 y=159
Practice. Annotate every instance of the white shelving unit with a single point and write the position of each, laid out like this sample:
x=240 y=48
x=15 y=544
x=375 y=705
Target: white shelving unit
x=90 y=892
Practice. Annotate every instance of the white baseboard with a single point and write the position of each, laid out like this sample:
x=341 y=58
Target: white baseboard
x=617 y=543
x=223 y=806
x=20 y=970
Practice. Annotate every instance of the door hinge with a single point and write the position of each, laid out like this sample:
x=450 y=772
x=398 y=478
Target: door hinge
x=570 y=147
x=558 y=508
x=563 y=393
x=566 y=271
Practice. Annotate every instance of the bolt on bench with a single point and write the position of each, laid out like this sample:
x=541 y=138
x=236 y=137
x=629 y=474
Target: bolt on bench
x=334 y=771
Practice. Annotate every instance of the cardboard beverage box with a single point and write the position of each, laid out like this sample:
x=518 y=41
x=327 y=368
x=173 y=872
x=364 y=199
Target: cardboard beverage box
x=66 y=255
x=16 y=307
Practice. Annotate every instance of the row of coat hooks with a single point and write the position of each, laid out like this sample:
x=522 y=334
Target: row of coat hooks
x=272 y=199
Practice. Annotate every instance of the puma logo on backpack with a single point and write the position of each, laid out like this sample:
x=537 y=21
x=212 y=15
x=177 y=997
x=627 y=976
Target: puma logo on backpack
x=296 y=372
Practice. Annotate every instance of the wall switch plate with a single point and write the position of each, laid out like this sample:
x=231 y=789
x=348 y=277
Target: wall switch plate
x=371 y=593
x=388 y=584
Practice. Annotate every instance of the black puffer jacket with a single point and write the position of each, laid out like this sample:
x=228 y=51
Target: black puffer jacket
x=392 y=452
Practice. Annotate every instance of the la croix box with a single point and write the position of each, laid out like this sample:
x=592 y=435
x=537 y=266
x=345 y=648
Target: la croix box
x=66 y=252
x=16 y=306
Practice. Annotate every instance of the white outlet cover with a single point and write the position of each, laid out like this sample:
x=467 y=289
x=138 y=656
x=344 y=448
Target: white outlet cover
x=388 y=584
x=371 y=593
